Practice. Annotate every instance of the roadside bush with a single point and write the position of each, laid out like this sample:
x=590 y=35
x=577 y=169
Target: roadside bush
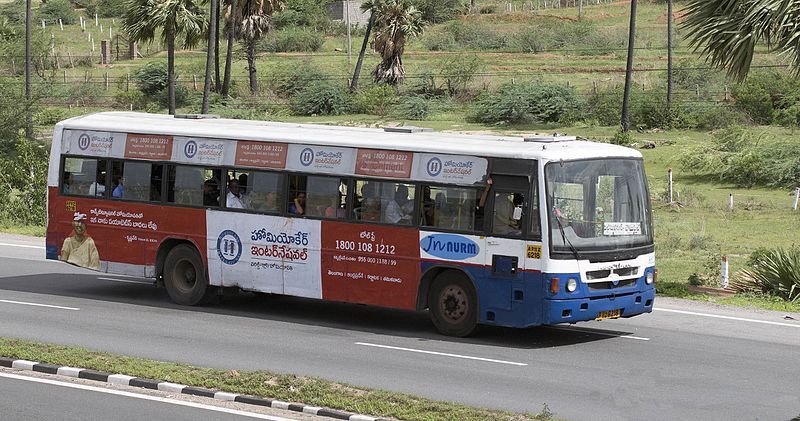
x=288 y=80
x=424 y=84
x=308 y=13
x=465 y=35
x=764 y=95
x=151 y=78
x=688 y=74
x=46 y=116
x=23 y=184
x=321 y=98
x=377 y=100
x=458 y=70
x=54 y=10
x=740 y=156
x=528 y=102
x=772 y=271
x=414 y=108
x=488 y=10
x=292 y=40
x=105 y=8
x=132 y=97
x=707 y=116
x=438 y=11
x=14 y=11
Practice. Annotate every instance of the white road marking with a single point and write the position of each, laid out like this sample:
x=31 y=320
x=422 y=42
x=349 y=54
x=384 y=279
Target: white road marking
x=444 y=354
x=717 y=316
x=39 y=305
x=22 y=245
x=125 y=281
x=146 y=397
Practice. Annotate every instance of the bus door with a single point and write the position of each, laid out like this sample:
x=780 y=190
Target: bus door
x=505 y=245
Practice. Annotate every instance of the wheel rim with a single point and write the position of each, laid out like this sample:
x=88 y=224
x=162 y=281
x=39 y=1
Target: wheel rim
x=184 y=275
x=453 y=304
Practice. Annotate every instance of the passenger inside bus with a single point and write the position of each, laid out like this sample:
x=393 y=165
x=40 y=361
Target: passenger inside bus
x=400 y=209
x=297 y=207
x=211 y=192
x=234 y=199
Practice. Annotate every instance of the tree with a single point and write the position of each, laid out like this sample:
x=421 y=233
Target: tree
x=253 y=20
x=726 y=32
x=626 y=98
x=395 y=22
x=173 y=18
x=357 y=71
x=230 y=29
x=212 y=42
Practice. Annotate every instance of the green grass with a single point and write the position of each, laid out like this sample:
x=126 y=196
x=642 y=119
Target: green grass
x=286 y=387
x=31 y=230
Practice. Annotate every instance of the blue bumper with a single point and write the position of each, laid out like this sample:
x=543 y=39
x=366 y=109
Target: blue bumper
x=583 y=309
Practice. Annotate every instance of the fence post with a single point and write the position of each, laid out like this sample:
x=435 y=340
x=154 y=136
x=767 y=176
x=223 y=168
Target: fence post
x=697 y=90
x=65 y=77
x=726 y=92
x=669 y=185
x=796 y=198
x=594 y=87
x=127 y=81
x=724 y=272
x=194 y=82
x=106 y=80
x=730 y=202
x=61 y=24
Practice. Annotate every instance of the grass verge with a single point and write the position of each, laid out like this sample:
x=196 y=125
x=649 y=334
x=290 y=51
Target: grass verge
x=32 y=230
x=287 y=387
x=760 y=301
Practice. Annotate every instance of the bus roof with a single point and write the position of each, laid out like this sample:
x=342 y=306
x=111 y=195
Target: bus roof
x=315 y=134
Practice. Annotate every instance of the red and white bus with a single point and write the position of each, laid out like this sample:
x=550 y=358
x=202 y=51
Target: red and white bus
x=494 y=230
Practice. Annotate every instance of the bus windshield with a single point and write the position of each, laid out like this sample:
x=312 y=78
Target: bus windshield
x=597 y=205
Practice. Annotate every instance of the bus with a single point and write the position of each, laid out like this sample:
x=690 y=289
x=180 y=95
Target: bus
x=475 y=229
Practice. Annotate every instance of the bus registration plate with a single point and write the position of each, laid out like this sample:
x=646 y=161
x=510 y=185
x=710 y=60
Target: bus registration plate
x=610 y=314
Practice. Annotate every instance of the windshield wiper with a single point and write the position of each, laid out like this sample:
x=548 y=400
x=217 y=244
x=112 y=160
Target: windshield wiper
x=564 y=237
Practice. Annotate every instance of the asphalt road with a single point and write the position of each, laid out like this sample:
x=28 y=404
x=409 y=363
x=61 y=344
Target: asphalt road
x=45 y=398
x=685 y=361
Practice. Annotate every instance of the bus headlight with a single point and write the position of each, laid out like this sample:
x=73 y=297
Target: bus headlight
x=572 y=285
x=649 y=278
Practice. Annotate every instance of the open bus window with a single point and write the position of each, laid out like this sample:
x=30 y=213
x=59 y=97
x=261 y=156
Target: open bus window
x=260 y=191
x=323 y=197
x=449 y=207
x=508 y=210
x=136 y=180
x=384 y=201
x=84 y=177
x=193 y=186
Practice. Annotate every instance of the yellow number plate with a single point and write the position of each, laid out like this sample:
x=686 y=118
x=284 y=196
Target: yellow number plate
x=610 y=314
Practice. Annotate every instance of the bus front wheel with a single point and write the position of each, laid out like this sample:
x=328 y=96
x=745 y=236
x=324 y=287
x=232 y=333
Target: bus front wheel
x=185 y=276
x=453 y=305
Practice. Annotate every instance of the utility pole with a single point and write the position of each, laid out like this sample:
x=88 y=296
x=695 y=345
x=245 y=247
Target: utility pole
x=626 y=99
x=28 y=96
x=669 y=55
x=347 y=10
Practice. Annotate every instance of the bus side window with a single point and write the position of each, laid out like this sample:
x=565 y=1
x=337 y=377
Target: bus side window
x=449 y=207
x=187 y=185
x=508 y=212
x=132 y=180
x=84 y=177
x=265 y=193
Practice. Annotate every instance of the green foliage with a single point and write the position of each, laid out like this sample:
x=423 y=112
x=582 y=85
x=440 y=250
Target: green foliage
x=320 y=98
x=132 y=97
x=528 y=102
x=376 y=100
x=772 y=271
x=288 y=80
x=672 y=289
x=23 y=184
x=458 y=70
x=292 y=40
x=414 y=107
x=306 y=13
x=622 y=138
x=707 y=116
x=105 y=8
x=767 y=96
x=689 y=73
x=738 y=156
x=438 y=11
x=151 y=78
x=14 y=11
x=54 y=10
x=12 y=113
x=46 y=116
x=465 y=35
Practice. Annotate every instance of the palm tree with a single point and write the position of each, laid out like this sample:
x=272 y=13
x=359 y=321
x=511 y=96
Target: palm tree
x=395 y=21
x=727 y=31
x=230 y=29
x=253 y=19
x=212 y=42
x=173 y=18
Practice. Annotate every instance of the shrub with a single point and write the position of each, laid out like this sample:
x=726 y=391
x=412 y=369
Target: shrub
x=181 y=96
x=414 y=108
x=320 y=98
x=54 y=10
x=374 y=100
x=424 y=84
x=23 y=184
x=458 y=70
x=605 y=106
x=438 y=11
x=774 y=271
x=688 y=74
x=527 y=101
x=106 y=8
x=468 y=35
x=292 y=40
x=49 y=116
x=622 y=138
x=151 y=78
x=707 y=116
x=132 y=97
x=488 y=10
x=309 y=13
x=288 y=81
x=764 y=94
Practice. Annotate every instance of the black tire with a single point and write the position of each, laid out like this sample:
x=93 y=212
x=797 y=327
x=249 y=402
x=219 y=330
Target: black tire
x=453 y=305
x=185 y=276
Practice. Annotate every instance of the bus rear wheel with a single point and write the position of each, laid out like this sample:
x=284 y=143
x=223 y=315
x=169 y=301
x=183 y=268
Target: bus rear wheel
x=185 y=276
x=453 y=305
